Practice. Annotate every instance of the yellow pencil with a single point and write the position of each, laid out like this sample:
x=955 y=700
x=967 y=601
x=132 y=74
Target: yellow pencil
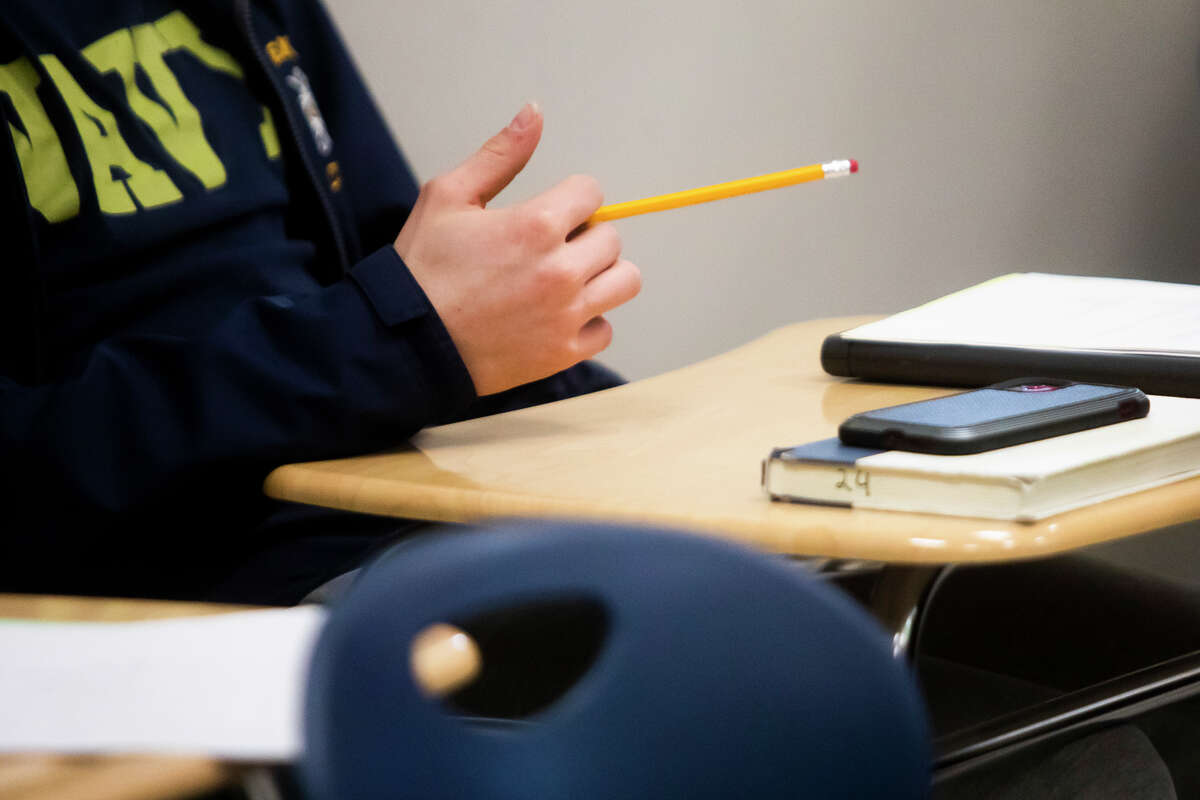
x=719 y=191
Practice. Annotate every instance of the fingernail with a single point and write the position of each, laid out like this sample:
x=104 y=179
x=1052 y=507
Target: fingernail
x=524 y=117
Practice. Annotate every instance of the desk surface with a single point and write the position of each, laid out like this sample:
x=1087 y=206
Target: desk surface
x=125 y=777
x=443 y=658
x=683 y=449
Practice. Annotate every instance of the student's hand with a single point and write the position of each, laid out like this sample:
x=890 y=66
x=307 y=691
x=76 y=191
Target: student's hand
x=521 y=298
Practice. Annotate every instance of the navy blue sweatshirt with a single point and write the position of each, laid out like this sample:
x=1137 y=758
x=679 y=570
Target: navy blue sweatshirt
x=198 y=203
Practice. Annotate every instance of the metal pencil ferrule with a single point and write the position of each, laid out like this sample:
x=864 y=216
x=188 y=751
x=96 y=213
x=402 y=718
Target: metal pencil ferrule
x=836 y=169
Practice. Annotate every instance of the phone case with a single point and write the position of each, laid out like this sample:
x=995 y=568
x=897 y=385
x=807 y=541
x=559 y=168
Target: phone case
x=1004 y=414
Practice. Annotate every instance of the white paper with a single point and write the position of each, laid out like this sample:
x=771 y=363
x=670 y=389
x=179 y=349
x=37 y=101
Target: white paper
x=1060 y=312
x=227 y=685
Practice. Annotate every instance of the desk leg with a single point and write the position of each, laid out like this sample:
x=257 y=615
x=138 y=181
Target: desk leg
x=898 y=600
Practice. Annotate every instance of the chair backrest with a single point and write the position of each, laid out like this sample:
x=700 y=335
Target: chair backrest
x=721 y=672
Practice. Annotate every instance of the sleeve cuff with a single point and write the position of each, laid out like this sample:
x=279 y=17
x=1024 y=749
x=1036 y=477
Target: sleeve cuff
x=390 y=288
x=396 y=297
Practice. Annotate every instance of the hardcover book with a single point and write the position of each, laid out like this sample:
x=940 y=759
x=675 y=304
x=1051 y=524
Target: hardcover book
x=1025 y=482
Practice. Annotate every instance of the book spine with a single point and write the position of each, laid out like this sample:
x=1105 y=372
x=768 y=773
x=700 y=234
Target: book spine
x=824 y=482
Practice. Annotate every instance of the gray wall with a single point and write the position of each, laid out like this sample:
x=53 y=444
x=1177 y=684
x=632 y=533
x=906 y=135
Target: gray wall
x=994 y=136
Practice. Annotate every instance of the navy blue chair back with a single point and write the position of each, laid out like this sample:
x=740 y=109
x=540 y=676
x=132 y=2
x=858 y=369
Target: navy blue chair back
x=721 y=673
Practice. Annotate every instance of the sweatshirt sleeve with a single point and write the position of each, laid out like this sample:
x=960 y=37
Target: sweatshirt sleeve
x=353 y=367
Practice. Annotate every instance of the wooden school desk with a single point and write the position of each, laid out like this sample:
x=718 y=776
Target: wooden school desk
x=684 y=449
x=440 y=666
x=130 y=777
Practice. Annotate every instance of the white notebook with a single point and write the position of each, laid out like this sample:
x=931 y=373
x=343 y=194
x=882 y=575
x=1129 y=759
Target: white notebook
x=1025 y=482
x=1092 y=330
x=1062 y=312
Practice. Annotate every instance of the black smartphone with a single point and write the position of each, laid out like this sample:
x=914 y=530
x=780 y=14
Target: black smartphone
x=1003 y=414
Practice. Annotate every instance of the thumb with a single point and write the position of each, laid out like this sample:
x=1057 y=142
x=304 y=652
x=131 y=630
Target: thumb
x=494 y=165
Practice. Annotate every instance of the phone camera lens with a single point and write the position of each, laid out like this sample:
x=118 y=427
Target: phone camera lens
x=1036 y=387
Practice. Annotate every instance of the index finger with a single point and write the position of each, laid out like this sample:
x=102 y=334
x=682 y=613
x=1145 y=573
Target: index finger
x=570 y=203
